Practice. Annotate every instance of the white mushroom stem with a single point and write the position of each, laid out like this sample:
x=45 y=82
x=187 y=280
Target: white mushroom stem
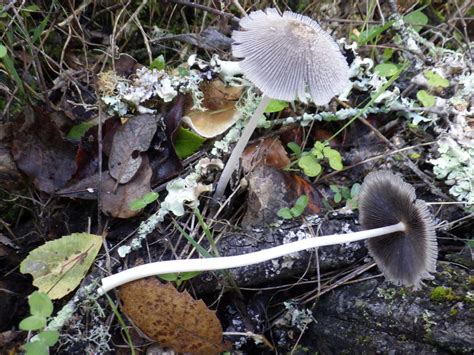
x=228 y=262
x=233 y=161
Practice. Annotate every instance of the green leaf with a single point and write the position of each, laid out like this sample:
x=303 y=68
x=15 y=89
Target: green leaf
x=285 y=213
x=334 y=157
x=33 y=323
x=295 y=148
x=187 y=143
x=48 y=337
x=346 y=193
x=387 y=54
x=310 y=165
x=3 y=51
x=39 y=30
x=151 y=197
x=334 y=188
x=188 y=275
x=137 y=205
x=172 y=277
x=59 y=266
x=337 y=197
x=158 y=63
x=302 y=202
x=417 y=19
x=355 y=189
x=368 y=35
x=386 y=69
x=77 y=131
x=276 y=106
x=40 y=304
x=425 y=98
x=296 y=211
x=36 y=348
x=434 y=79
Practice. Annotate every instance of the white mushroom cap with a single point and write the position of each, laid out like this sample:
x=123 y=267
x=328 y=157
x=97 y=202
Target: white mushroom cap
x=287 y=55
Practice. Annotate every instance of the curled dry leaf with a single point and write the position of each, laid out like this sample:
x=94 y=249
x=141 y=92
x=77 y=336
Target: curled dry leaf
x=172 y=318
x=221 y=113
x=269 y=152
x=116 y=199
x=129 y=141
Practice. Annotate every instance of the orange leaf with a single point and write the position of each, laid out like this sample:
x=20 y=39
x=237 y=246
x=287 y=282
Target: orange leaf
x=172 y=318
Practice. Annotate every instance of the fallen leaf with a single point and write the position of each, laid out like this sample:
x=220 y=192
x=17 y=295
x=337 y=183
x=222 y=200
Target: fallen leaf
x=164 y=161
x=269 y=152
x=172 y=318
x=221 y=112
x=116 y=199
x=58 y=266
x=129 y=141
x=41 y=152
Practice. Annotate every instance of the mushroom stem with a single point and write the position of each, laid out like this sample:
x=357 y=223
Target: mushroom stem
x=228 y=262
x=239 y=148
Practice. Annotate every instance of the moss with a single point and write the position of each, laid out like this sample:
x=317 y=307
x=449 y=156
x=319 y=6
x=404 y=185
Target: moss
x=441 y=293
x=453 y=311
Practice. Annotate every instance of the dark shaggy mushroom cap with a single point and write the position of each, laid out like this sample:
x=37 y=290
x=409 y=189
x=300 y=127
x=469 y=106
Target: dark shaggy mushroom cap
x=405 y=258
x=287 y=55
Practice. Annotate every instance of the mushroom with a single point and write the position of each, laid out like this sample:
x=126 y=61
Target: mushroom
x=285 y=56
x=403 y=245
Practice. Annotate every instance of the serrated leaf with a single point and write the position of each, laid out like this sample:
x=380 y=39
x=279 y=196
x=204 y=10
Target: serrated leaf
x=386 y=69
x=187 y=143
x=435 y=79
x=40 y=304
x=276 y=106
x=36 y=348
x=310 y=165
x=426 y=99
x=59 y=266
x=284 y=213
x=48 y=337
x=33 y=323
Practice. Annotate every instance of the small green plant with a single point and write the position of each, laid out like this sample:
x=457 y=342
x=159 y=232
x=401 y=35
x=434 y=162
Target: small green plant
x=295 y=211
x=343 y=193
x=41 y=309
x=179 y=278
x=310 y=162
x=141 y=203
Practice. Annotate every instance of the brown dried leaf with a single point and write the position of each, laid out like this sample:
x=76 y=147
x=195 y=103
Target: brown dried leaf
x=116 y=199
x=172 y=318
x=268 y=152
x=129 y=141
x=221 y=113
x=41 y=152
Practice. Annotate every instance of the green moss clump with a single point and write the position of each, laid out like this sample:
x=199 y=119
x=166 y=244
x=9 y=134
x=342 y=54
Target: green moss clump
x=441 y=293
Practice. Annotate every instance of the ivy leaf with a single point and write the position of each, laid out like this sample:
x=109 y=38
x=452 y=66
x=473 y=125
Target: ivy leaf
x=40 y=304
x=426 y=99
x=276 y=106
x=310 y=165
x=187 y=143
x=59 y=266
x=33 y=323
x=386 y=69
x=434 y=79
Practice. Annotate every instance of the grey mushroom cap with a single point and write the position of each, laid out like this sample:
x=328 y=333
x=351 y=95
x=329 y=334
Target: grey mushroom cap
x=287 y=55
x=405 y=258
